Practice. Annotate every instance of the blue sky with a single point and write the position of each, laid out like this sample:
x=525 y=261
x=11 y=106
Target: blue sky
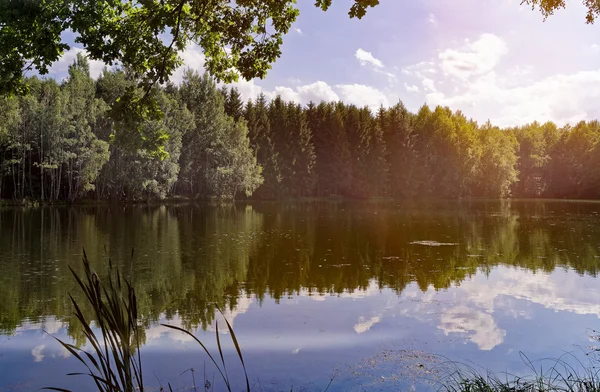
x=491 y=59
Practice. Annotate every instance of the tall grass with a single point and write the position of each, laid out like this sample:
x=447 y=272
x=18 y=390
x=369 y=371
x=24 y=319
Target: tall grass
x=115 y=364
x=548 y=375
x=115 y=361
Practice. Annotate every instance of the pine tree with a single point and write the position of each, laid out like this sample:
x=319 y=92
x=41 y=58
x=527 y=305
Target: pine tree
x=234 y=106
x=261 y=140
x=298 y=174
x=375 y=155
x=341 y=163
x=318 y=117
x=399 y=135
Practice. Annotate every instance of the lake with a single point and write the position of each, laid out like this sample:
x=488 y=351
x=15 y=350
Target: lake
x=377 y=296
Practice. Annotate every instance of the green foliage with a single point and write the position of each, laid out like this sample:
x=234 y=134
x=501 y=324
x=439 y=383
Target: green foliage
x=497 y=170
x=262 y=139
x=240 y=38
x=61 y=143
x=358 y=9
x=548 y=7
x=85 y=154
x=571 y=165
x=217 y=160
x=30 y=38
x=64 y=142
x=332 y=148
x=535 y=143
x=399 y=135
x=234 y=106
x=232 y=166
x=10 y=118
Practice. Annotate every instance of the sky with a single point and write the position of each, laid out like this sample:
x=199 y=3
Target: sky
x=493 y=60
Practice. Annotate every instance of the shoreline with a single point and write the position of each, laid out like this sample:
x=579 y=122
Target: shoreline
x=335 y=199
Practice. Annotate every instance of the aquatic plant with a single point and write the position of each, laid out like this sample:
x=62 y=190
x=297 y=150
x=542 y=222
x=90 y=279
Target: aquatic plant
x=115 y=362
x=553 y=375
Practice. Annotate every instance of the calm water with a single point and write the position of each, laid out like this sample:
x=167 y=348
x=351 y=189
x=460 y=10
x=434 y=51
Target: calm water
x=377 y=296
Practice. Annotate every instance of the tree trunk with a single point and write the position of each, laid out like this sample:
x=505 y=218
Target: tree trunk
x=23 y=174
x=58 y=178
x=42 y=166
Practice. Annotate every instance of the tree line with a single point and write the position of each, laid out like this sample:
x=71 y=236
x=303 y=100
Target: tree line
x=63 y=141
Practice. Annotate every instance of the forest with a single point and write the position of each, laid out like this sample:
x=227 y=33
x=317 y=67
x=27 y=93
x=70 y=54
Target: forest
x=62 y=141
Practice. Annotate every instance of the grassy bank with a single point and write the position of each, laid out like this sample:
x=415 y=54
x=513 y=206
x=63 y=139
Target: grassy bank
x=564 y=374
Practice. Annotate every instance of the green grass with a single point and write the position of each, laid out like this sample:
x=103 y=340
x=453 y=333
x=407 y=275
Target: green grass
x=565 y=374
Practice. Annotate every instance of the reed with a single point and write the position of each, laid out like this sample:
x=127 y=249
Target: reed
x=564 y=374
x=115 y=364
x=114 y=361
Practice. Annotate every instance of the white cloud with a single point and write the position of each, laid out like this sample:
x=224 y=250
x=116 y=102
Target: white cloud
x=193 y=58
x=52 y=326
x=159 y=332
x=559 y=98
x=559 y=291
x=298 y=31
x=242 y=306
x=248 y=89
x=287 y=93
x=480 y=327
x=428 y=84
x=431 y=18
x=422 y=69
x=519 y=71
x=476 y=58
x=471 y=78
x=365 y=58
x=37 y=353
x=361 y=95
x=315 y=92
x=411 y=88
x=364 y=325
x=371 y=290
x=391 y=77
x=65 y=353
x=62 y=65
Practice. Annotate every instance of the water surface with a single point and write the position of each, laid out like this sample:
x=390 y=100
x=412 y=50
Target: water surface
x=375 y=295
